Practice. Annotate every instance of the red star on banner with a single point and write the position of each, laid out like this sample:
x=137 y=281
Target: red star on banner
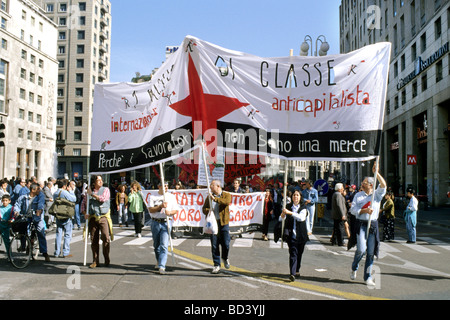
x=207 y=108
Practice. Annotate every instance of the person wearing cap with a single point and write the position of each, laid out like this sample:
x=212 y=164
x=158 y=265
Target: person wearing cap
x=162 y=206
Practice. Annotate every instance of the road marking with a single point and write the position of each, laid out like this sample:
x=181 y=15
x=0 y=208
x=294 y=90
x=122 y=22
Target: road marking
x=415 y=246
x=437 y=242
x=280 y=282
x=245 y=242
x=139 y=241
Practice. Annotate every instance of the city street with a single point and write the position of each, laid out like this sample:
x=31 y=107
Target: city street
x=259 y=271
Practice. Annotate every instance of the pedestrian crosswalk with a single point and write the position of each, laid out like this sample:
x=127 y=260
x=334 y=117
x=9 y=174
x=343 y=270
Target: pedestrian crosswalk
x=424 y=245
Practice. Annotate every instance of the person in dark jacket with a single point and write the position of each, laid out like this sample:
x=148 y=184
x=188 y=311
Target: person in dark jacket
x=339 y=215
x=295 y=232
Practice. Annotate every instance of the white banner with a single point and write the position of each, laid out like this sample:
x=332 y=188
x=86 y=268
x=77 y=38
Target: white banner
x=245 y=209
x=299 y=108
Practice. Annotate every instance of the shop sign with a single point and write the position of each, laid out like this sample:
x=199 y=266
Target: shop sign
x=412 y=160
x=422 y=65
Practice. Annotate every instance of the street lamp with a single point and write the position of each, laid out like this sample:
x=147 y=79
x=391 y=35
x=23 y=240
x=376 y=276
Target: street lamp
x=324 y=46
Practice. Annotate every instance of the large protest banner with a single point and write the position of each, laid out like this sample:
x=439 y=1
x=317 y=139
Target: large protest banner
x=245 y=209
x=297 y=108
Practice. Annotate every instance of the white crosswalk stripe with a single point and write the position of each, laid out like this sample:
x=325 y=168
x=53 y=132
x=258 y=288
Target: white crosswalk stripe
x=436 y=242
x=415 y=246
x=245 y=242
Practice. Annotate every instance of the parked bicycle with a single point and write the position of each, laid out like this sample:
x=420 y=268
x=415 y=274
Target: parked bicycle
x=24 y=243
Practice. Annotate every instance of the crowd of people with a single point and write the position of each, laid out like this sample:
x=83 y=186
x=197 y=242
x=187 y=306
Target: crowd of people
x=351 y=209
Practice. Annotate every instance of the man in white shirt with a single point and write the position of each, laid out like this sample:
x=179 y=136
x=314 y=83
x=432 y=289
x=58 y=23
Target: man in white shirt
x=162 y=206
x=363 y=210
x=411 y=215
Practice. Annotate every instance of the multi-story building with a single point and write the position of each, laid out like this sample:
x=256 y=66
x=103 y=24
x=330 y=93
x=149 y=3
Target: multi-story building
x=28 y=84
x=83 y=53
x=415 y=150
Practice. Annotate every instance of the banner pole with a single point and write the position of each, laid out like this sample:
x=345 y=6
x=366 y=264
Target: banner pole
x=206 y=171
x=373 y=195
x=286 y=168
x=167 y=218
x=86 y=225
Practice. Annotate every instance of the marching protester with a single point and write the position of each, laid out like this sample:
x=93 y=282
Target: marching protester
x=310 y=197
x=6 y=215
x=411 y=215
x=65 y=226
x=136 y=207
x=162 y=206
x=77 y=192
x=267 y=214
x=388 y=217
x=32 y=205
x=363 y=210
x=99 y=219
x=47 y=191
x=122 y=202
x=295 y=232
x=339 y=215
x=219 y=201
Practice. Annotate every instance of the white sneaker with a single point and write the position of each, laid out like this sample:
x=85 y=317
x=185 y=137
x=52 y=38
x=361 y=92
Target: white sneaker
x=353 y=275
x=215 y=270
x=370 y=282
x=226 y=263
x=162 y=271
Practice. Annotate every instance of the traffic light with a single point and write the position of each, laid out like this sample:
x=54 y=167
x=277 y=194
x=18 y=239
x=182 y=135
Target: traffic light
x=2 y=134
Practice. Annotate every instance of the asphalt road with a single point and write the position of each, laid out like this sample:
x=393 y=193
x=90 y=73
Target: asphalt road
x=259 y=271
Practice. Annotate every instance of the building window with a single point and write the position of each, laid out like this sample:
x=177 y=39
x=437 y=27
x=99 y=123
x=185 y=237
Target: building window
x=439 y=71
x=77 y=136
x=438 y=28
x=424 y=82
x=77 y=152
x=80 y=48
x=59 y=121
x=79 y=92
x=80 y=63
x=78 y=122
x=80 y=77
x=78 y=106
x=81 y=35
x=414 y=89
x=423 y=42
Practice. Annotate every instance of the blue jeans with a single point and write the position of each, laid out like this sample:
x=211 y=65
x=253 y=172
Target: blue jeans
x=160 y=233
x=310 y=217
x=76 y=218
x=410 y=228
x=362 y=246
x=65 y=226
x=40 y=227
x=222 y=238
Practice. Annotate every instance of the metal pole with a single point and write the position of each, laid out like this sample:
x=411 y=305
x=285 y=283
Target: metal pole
x=86 y=225
x=373 y=196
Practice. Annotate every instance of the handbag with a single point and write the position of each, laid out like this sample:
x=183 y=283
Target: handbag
x=62 y=209
x=210 y=226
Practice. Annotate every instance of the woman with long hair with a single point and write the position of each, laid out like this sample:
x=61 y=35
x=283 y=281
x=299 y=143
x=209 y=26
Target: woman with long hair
x=295 y=232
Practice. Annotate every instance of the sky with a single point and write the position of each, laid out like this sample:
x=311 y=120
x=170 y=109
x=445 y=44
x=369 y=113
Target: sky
x=141 y=29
